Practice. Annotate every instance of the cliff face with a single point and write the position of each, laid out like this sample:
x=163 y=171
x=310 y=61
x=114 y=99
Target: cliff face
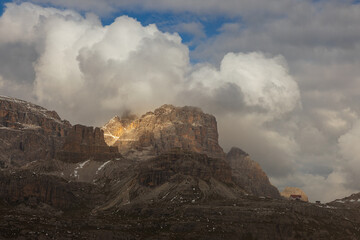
x=28 y=132
x=161 y=169
x=84 y=143
x=166 y=128
x=26 y=187
x=29 y=188
x=248 y=174
x=18 y=114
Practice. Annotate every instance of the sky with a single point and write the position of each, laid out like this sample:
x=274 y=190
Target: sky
x=282 y=77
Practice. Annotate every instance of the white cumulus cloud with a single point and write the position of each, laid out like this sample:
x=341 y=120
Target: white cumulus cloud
x=82 y=66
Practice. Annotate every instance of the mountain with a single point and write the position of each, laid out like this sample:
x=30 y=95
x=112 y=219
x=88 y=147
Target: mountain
x=166 y=128
x=164 y=177
x=352 y=201
x=28 y=132
x=83 y=143
x=248 y=174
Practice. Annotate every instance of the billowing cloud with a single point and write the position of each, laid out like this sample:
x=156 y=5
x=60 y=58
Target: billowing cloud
x=80 y=66
x=264 y=82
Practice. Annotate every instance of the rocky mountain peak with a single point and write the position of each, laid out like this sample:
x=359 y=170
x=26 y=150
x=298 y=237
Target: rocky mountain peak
x=19 y=114
x=236 y=152
x=248 y=174
x=166 y=128
x=28 y=132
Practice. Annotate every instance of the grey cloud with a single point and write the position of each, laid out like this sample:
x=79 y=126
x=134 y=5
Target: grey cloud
x=223 y=100
x=16 y=62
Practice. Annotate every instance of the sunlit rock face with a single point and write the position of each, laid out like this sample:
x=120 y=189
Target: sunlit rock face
x=83 y=143
x=292 y=193
x=28 y=132
x=249 y=175
x=166 y=128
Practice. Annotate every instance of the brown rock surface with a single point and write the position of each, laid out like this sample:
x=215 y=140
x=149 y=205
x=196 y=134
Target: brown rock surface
x=22 y=187
x=19 y=114
x=32 y=189
x=28 y=132
x=288 y=191
x=249 y=175
x=84 y=143
x=160 y=169
x=173 y=177
x=166 y=128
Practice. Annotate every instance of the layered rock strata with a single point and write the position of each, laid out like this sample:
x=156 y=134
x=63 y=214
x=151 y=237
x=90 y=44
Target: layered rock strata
x=28 y=132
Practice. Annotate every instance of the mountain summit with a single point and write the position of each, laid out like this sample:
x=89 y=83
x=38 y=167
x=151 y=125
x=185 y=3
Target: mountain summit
x=168 y=127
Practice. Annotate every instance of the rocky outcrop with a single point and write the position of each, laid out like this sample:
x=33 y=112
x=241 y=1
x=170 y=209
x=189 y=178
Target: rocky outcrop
x=83 y=143
x=24 y=187
x=294 y=193
x=249 y=175
x=352 y=201
x=160 y=169
x=166 y=128
x=32 y=189
x=19 y=114
x=175 y=177
x=28 y=132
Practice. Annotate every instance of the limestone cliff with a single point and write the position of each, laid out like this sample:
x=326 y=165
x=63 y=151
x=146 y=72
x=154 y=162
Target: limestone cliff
x=249 y=175
x=28 y=132
x=166 y=128
x=84 y=143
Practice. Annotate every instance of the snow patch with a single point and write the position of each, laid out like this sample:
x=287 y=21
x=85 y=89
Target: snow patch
x=165 y=195
x=110 y=135
x=30 y=126
x=81 y=165
x=102 y=166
